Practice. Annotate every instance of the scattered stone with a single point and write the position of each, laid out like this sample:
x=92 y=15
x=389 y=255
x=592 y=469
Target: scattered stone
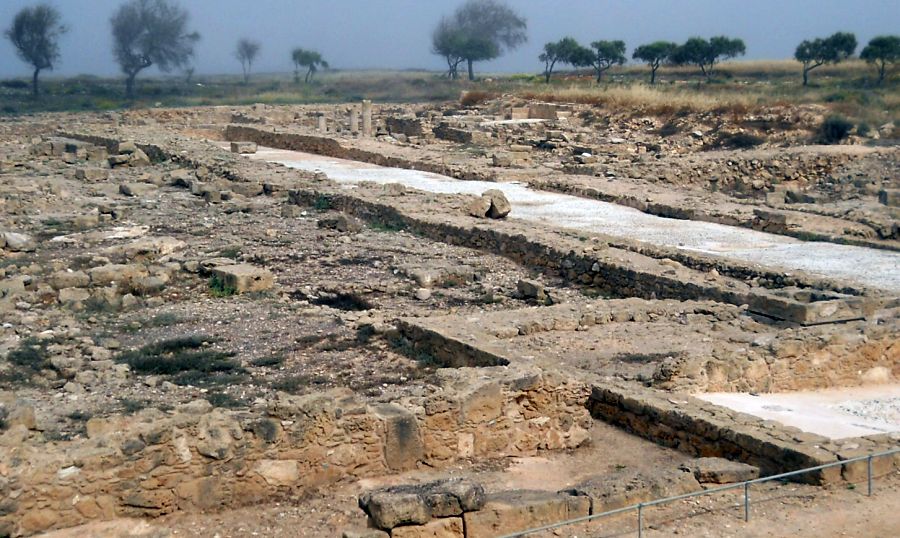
x=244 y=278
x=341 y=223
x=492 y=204
x=423 y=294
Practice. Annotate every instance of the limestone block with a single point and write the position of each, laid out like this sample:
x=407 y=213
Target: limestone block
x=245 y=278
x=401 y=442
x=720 y=470
x=389 y=509
x=889 y=197
x=92 y=174
x=244 y=148
x=451 y=527
x=17 y=242
x=278 y=472
x=512 y=511
x=69 y=279
x=364 y=533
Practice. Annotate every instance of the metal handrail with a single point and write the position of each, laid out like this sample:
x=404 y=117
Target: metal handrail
x=745 y=484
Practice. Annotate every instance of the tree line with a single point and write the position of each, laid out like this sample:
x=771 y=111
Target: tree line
x=482 y=30
x=155 y=33
x=882 y=51
x=145 y=33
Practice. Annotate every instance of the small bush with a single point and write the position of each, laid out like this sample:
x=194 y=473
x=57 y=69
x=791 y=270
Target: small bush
x=834 y=129
x=222 y=399
x=31 y=354
x=178 y=356
x=475 y=97
x=739 y=141
x=15 y=84
x=218 y=287
x=863 y=129
x=322 y=203
x=668 y=129
x=273 y=360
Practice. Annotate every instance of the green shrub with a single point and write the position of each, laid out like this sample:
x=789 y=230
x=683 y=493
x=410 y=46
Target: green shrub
x=183 y=357
x=739 y=141
x=863 y=129
x=218 y=287
x=834 y=129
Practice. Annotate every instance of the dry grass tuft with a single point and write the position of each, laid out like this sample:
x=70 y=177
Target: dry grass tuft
x=648 y=100
x=476 y=97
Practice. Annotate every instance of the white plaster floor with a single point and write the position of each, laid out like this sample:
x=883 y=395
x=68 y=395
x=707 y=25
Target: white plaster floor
x=833 y=413
x=865 y=266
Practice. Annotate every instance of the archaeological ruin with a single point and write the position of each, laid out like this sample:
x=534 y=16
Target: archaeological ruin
x=381 y=313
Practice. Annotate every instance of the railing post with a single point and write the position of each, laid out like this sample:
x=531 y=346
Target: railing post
x=640 y=520
x=746 y=501
x=869 y=473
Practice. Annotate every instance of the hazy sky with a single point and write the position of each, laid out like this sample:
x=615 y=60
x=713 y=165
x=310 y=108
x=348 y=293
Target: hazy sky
x=396 y=33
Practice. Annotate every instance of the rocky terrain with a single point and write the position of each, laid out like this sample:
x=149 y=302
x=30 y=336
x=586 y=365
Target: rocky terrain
x=165 y=298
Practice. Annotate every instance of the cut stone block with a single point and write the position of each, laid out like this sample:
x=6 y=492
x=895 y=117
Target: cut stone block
x=243 y=278
x=244 y=148
x=720 y=470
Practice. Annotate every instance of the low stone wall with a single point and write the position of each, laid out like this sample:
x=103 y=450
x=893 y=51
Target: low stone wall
x=789 y=223
x=703 y=429
x=333 y=148
x=202 y=458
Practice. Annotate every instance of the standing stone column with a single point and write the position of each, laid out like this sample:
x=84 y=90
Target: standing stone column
x=354 y=120
x=367 y=117
x=323 y=123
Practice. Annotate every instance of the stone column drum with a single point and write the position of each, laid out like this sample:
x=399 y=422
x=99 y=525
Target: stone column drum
x=367 y=117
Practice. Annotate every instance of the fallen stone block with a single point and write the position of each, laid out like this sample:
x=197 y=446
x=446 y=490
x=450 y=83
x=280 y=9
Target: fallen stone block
x=418 y=504
x=243 y=278
x=92 y=174
x=889 y=197
x=720 y=470
x=137 y=190
x=243 y=148
x=341 y=223
x=511 y=511
x=364 y=533
x=492 y=204
x=17 y=242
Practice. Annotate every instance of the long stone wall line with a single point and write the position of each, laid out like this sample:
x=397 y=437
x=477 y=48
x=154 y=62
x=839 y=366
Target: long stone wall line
x=330 y=147
x=694 y=260
x=641 y=270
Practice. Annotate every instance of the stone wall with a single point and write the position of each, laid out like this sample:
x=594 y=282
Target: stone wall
x=703 y=429
x=332 y=148
x=197 y=457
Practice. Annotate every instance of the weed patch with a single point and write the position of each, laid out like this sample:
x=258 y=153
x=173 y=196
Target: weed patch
x=187 y=360
x=219 y=288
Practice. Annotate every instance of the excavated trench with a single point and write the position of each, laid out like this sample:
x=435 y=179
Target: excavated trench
x=859 y=265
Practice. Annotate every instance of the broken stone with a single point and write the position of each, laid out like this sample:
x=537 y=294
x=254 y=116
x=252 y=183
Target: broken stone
x=92 y=174
x=137 y=189
x=341 y=223
x=530 y=289
x=17 y=242
x=720 y=470
x=243 y=278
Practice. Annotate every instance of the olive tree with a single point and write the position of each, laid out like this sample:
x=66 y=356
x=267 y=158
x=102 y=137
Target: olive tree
x=479 y=30
x=564 y=51
x=246 y=53
x=654 y=54
x=881 y=51
x=309 y=59
x=830 y=50
x=35 y=33
x=151 y=32
x=602 y=56
x=705 y=54
x=446 y=41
